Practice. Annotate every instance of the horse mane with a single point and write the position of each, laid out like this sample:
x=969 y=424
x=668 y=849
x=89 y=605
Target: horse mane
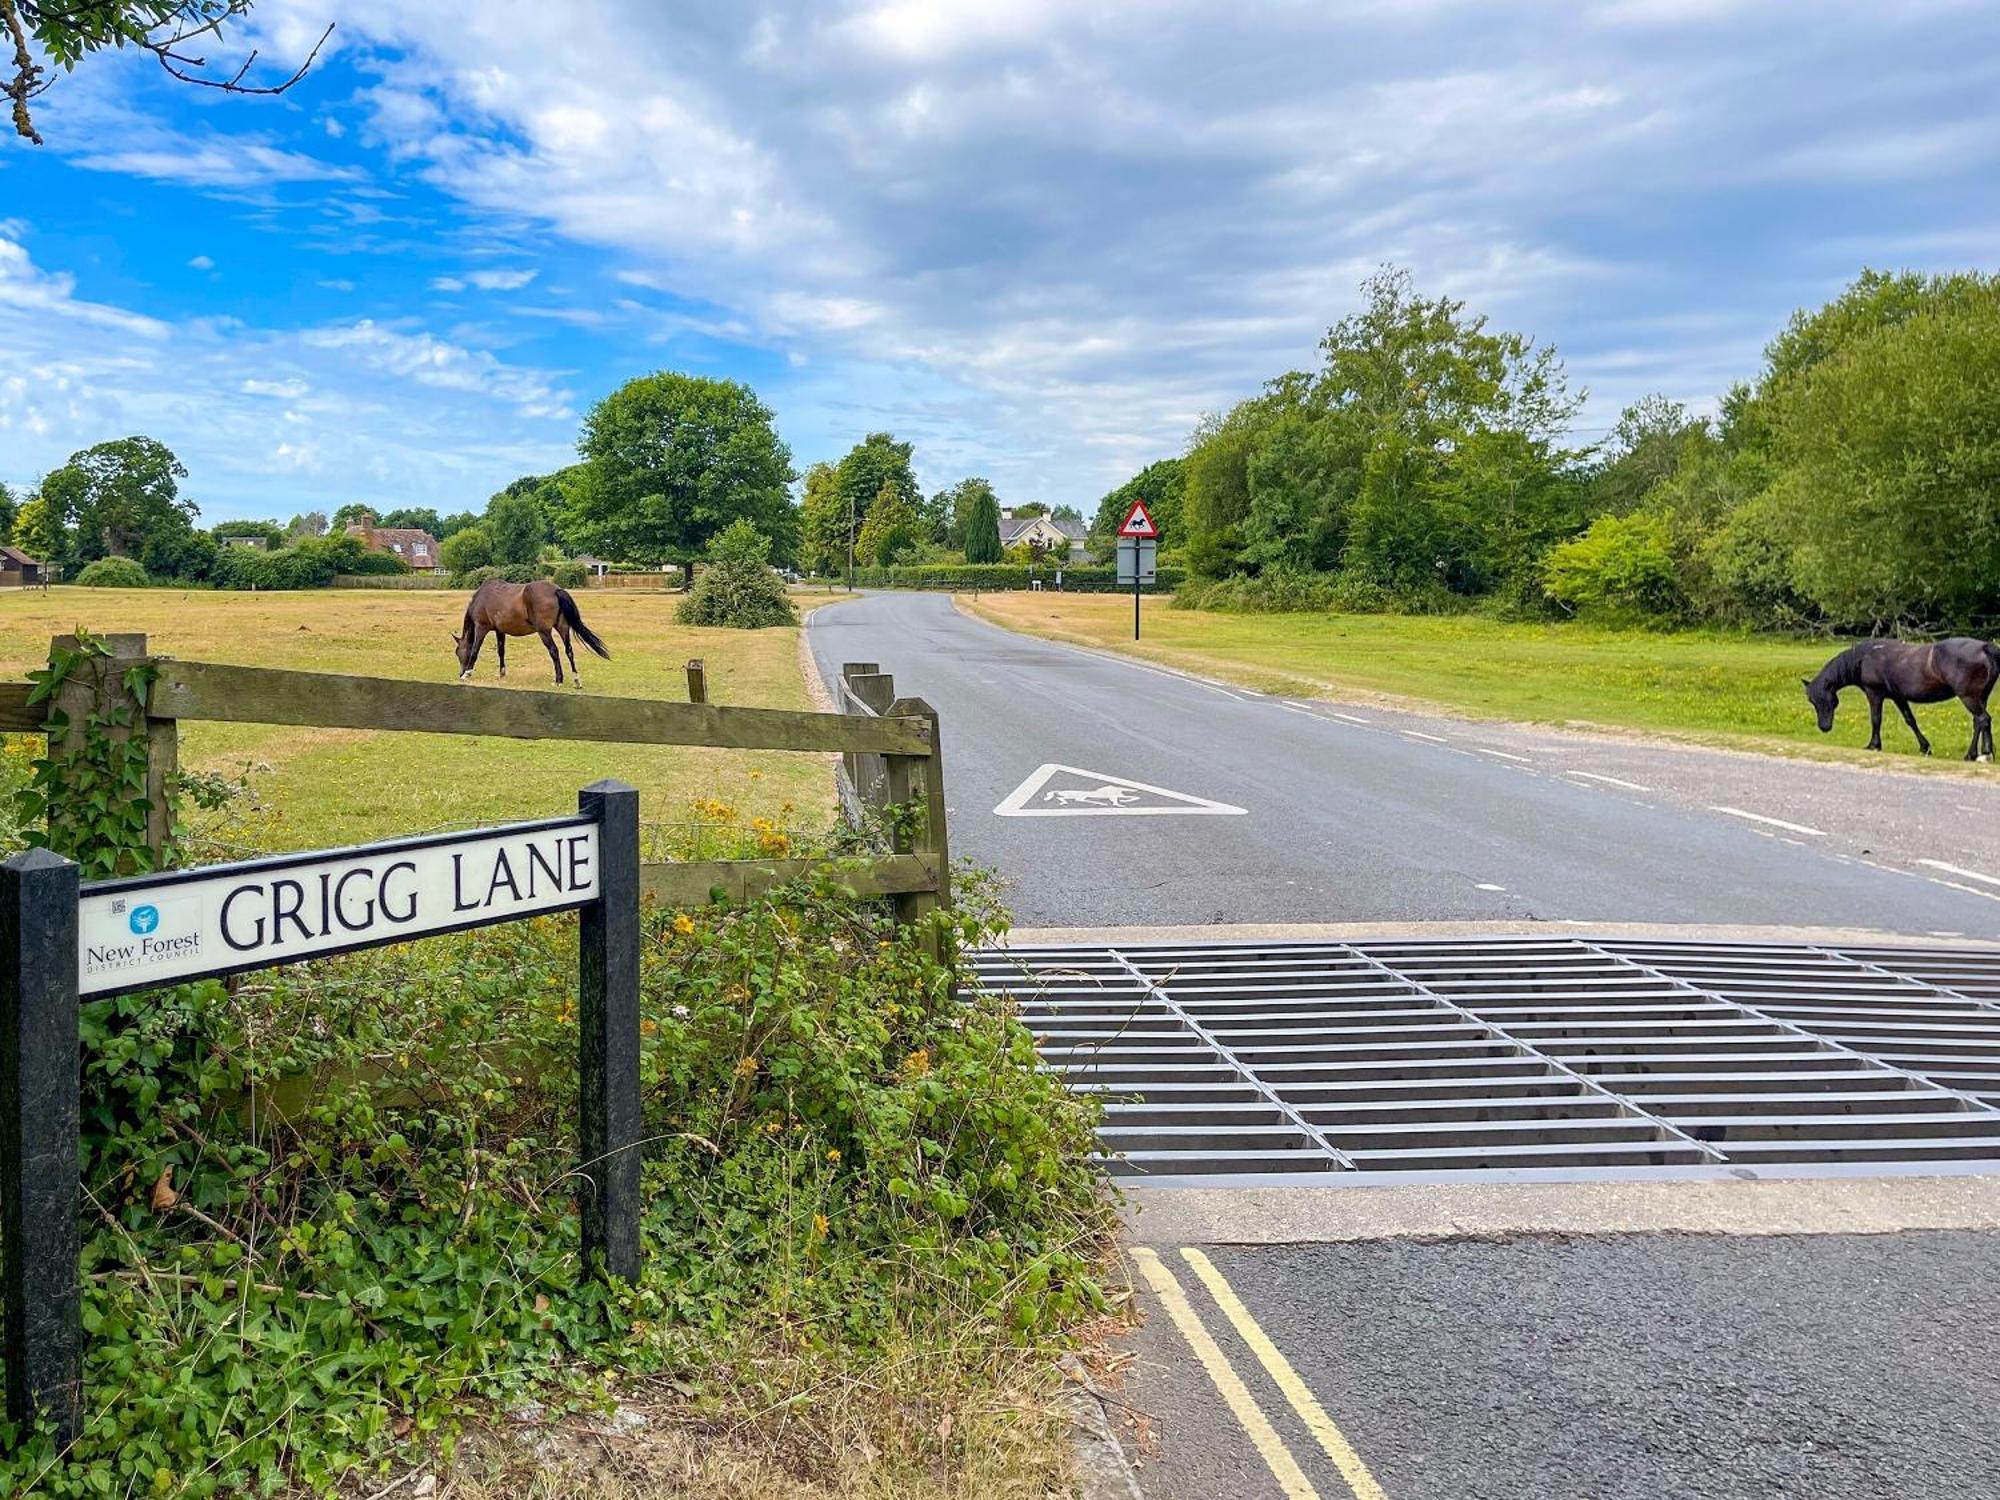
x=1845 y=669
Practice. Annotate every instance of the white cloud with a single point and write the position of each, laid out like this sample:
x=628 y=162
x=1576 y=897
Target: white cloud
x=500 y=281
x=433 y=361
x=446 y=284
x=283 y=390
x=202 y=263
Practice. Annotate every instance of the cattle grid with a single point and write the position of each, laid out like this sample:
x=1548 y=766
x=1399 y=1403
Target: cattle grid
x=1527 y=1057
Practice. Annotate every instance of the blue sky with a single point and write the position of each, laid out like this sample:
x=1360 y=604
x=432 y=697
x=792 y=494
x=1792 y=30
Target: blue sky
x=1037 y=237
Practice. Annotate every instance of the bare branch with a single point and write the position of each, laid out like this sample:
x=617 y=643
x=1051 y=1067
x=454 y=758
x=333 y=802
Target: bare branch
x=25 y=74
x=166 y=42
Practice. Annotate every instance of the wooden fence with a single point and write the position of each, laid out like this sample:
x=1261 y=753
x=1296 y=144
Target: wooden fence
x=896 y=739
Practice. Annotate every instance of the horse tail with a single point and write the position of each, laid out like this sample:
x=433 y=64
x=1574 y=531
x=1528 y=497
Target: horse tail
x=575 y=622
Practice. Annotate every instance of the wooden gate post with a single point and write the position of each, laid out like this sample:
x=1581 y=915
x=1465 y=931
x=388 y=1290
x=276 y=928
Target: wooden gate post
x=697 y=681
x=607 y=1017
x=81 y=698
x=40 y=1055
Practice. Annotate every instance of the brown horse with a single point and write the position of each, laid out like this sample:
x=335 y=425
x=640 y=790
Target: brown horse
x=1960 y=668
x=539 y=608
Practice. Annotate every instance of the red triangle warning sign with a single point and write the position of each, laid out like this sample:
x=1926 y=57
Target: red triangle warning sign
x=1139 y=522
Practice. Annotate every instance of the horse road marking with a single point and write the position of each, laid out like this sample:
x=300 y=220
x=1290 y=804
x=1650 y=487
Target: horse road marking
x=1093 y=794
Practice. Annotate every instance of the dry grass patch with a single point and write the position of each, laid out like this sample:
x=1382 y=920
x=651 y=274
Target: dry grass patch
x=329 y=787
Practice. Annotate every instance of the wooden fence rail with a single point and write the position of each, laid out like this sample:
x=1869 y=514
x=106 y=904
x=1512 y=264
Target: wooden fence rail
x=891 y=743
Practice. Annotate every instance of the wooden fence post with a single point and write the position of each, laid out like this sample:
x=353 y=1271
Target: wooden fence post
x=697 y=681
x=40 y=1055
x=81 y=698
x=607 y=1017
x=929 y=837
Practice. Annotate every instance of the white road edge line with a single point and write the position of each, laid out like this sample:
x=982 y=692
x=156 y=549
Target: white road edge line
x=1953 y=885
x=1351 y=718
x=1964 y=874
x=1418 y=734
x=1630 y=786
x=1737 y=812
x=1504 y=755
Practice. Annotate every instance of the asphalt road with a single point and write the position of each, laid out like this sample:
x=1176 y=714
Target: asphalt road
x=1604 y=1367
x=1357 y=814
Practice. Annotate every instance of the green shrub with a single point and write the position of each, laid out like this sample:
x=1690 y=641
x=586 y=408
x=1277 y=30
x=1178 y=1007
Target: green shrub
x=1623 y=565
x=522 y=572
x=471 y=578
x=842 y=1154
x=738 y=589
x=113 y=573
x=377 y=564
x=569 y=575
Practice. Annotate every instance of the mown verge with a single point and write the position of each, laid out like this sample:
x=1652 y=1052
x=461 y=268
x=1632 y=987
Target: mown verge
x=1717 y=687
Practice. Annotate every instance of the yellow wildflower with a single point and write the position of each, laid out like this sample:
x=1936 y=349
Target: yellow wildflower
x=683 y=924
x=774 y=1127
x=745 y=1066
x=833 y=1155
x=918 y=1062
x=820 y=1225
x=649 y=1028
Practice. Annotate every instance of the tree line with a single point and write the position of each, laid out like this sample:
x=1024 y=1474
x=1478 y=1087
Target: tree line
x=1853 y=483
x=666 y=463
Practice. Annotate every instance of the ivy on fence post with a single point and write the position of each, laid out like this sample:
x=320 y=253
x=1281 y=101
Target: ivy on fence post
x=100 y=794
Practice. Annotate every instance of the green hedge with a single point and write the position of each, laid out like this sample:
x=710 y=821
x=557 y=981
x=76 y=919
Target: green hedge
x=113 y=573
x=1084 y=580
x=391 y=581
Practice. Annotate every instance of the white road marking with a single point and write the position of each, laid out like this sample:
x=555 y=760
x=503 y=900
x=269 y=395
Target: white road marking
x=1737 y=812
x=1101 y=796
x=1963 y=874
x=1630 y=786
x=1487 y=886
x=1503 y=754
x=1953 y=885
x=1418 y=734
x=1351 y=718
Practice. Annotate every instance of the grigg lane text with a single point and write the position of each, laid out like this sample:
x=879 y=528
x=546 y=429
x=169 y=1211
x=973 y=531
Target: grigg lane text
x=362 y=900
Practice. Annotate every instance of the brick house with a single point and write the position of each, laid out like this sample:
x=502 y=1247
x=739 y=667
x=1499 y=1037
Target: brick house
x=417 y=549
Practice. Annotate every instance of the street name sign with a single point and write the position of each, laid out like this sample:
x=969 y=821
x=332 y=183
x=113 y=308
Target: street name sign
x=152 y=930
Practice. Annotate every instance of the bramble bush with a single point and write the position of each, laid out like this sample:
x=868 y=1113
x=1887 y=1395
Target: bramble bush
x=738 y=588
x=329 y=1208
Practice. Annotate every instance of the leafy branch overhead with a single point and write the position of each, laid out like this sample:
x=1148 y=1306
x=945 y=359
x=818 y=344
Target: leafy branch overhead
x=176 y=32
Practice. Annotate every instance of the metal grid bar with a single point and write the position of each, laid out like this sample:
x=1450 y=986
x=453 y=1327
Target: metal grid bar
x=1520 y=1058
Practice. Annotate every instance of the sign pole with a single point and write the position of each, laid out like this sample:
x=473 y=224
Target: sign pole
x=40 y=1056
x=1135 y=595
x=607 y=1016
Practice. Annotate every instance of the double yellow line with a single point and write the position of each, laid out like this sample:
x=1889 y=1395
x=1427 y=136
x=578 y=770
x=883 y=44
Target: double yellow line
x=1242 y=1405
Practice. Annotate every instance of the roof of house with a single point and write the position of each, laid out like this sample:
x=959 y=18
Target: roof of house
x=384 y=536
x=1012 y=528
x=16 y=555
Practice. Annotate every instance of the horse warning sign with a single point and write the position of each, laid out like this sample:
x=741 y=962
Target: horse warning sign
x=1139 y=523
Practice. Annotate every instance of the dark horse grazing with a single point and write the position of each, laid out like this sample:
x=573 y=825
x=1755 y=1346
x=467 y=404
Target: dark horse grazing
x=1960 y=668
x=539 y=608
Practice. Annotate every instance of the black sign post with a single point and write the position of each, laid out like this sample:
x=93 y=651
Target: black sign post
x=61 y=941
x=40 y=1056
x=607 y=1015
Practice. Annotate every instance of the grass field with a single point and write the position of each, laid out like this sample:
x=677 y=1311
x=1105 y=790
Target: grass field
x=332 y=786
x=1714 y=688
